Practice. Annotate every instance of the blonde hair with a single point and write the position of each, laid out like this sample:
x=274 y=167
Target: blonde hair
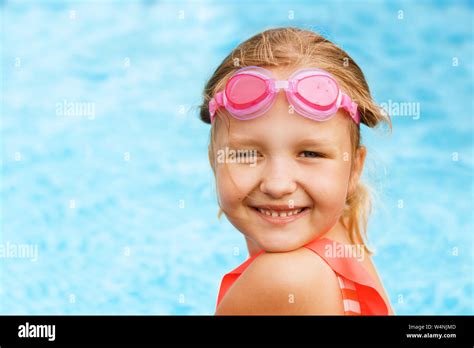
x=294 y=47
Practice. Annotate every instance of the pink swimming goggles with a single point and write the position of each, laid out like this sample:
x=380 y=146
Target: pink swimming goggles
x=313 y=93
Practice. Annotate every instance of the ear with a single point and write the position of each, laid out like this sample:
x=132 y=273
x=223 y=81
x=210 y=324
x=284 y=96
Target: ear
x=357 y=167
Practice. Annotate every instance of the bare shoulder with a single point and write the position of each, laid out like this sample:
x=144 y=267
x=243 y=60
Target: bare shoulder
x=298 y=282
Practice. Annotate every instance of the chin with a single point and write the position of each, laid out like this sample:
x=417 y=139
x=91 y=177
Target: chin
x=274 y=244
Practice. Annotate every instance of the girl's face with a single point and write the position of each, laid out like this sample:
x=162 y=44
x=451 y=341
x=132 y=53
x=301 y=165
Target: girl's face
x=295 y=189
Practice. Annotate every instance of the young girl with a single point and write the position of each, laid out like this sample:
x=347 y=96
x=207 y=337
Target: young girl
x=285 y=109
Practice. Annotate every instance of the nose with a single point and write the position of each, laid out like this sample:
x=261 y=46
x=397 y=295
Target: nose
x=278 y=178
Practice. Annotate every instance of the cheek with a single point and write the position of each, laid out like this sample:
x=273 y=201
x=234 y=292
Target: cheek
x=328 y=185
x=233 y=185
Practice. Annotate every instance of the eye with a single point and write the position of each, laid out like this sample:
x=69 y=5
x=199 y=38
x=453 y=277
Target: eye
x=312 y=154
x=246 y=156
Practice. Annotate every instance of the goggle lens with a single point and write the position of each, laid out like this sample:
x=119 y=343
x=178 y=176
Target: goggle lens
x=246 y=90
x=319 y=91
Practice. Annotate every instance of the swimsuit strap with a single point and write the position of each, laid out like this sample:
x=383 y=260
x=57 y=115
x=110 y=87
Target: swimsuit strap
x=350 y=299
x=370 y=300
x=359 y=294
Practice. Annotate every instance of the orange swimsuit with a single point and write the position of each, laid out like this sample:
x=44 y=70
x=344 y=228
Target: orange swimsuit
x=359 y=293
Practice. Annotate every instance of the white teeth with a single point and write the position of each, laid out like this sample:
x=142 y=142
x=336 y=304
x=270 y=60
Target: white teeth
x=274 y=213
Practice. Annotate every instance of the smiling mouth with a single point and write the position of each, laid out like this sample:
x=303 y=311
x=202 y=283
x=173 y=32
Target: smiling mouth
x=281 y=215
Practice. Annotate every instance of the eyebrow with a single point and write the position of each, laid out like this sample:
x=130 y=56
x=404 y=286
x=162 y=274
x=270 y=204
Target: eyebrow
x=242 y=140
x=245 y=140
x=317 y=142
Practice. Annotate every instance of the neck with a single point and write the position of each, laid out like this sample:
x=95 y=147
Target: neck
x=337 y=233
x=252 y=246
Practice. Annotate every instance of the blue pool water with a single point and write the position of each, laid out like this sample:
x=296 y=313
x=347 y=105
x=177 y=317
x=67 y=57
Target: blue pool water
x=119 y=198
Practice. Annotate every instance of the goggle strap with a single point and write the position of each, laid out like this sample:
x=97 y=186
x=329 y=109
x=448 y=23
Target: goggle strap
x=351 y=107
x=215 y=103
